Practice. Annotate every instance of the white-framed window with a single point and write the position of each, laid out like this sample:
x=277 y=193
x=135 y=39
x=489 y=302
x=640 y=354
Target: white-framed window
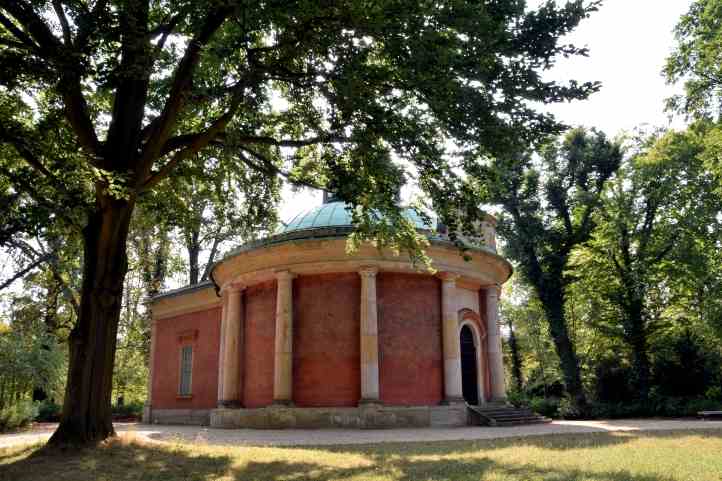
x=186 y=371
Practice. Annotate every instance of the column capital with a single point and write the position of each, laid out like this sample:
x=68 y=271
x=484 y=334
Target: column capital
x=228 y=288
x=368 y=271
x=494 y=290
x=284 y=274
x=448 y=276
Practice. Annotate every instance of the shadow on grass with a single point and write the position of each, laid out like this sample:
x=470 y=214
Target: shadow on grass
x=443 y=461
x=440 y=460
x=555 y=442
x=117 y=459
x=436 y=470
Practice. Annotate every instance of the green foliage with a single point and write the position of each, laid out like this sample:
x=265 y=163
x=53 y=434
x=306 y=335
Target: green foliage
x=546 y=406
x=30 y=359
x=17 y=415
x=686 y=364
x=656 y=220
x=48 y=411
x=128 y=410
x=697 y=60
x=548 y=210
x=341 y=97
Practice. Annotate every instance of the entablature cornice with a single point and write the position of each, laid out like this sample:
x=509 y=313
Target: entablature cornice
x=310 y=257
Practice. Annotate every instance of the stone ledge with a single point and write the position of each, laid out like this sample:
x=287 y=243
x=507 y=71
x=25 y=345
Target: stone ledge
x=196 y=417
x=363 y=417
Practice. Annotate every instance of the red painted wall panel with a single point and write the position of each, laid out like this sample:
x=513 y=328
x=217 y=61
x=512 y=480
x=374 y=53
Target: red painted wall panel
x=326 y=340
x=200 y=329
x=259 y=339
x=411 y=359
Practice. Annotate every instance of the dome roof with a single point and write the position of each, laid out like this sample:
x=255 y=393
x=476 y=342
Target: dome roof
x=337 y=215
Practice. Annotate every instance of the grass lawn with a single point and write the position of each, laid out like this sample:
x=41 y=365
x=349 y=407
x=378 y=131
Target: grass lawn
x=668 y=456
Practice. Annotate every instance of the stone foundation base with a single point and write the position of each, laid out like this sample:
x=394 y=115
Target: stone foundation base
x=196 y=417
x=367 y=416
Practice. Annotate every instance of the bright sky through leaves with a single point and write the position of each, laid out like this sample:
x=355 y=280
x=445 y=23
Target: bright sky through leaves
x=628 y=41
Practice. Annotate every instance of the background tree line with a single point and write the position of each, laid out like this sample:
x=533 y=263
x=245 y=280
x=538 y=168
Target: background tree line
x=616 y=308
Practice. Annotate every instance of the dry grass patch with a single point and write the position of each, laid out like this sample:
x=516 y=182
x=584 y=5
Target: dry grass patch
x=670 y=456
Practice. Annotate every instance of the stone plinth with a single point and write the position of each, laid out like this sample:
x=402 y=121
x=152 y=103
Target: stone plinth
x=368 y=416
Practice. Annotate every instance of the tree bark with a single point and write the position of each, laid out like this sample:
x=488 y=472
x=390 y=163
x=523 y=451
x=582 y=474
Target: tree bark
x=516 y=363
x=553 y=302
x=194 y=249
x=86 y=416
x=636 y=334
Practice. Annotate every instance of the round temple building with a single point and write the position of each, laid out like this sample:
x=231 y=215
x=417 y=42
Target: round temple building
x=296 y=332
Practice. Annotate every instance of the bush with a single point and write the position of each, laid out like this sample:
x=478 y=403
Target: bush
x=568 y=410
x=611 y=381
x=608 y=410
x=548 y=407
x=686 y=366
x=129 y=410
x=694 y=406
x=517 y=398
x=714 y=393
x=17 y=416
x=48 y=411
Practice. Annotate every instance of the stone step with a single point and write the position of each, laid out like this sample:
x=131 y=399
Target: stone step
x=526 y=422
x=507 y=415
x=502 y=411
x=504 y=416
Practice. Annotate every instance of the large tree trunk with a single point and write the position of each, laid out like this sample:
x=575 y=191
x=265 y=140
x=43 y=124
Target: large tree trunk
x=516 y=363
x=86 y=416
x=553 y=303
x=194 y=249
x=636 y=334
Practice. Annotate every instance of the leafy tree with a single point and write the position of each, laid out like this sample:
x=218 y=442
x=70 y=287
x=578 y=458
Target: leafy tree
x=548 y=205
x=652 y=215
x=319 y=93
x=538 y=362
x=30 y=357
x=697 y=60
x=215 y=202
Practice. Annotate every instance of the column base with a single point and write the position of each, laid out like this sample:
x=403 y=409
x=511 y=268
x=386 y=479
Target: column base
x=282 y=403
x=452 y=401
x=369 y=402
x=230 y=404
x=147 y=413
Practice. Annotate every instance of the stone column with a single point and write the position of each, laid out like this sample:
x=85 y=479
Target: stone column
x=148 y=406
x=450 y=335
x=496 y=359
x=283 y=356
x=369 y=337
x=232 y=342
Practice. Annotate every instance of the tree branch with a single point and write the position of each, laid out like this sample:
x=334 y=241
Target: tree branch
x=34 y=25
x=163 y=125
x=19 y=34
x=198 y=143
x=180 y=141
x=67 y=36
x=23 y=271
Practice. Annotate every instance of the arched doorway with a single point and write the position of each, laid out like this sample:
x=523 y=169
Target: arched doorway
x=469 y=375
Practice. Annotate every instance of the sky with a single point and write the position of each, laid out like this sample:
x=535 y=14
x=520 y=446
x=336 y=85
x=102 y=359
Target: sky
x=628 y=42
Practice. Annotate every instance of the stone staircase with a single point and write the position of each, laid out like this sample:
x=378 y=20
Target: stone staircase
x=503 y=415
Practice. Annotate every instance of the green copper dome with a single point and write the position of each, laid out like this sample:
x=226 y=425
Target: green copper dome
x=336 y=215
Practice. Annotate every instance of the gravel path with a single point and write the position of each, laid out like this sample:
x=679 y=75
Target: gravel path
x=251 y=437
